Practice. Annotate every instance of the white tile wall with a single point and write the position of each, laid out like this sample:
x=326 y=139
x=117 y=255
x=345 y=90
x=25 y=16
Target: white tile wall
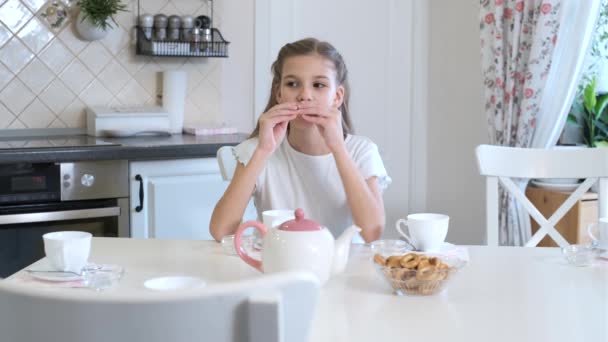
x=48 y=78
x=5 y=34
x=35 y=35
x=16 y=96
x=14 y=15
x=36 y=76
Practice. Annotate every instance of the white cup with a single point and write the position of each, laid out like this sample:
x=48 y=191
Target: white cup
x=427 y=232
x=274 y=218
x=602 y=228
x=67 y=251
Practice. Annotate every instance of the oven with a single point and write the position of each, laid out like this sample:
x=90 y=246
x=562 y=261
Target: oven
x=37 y=198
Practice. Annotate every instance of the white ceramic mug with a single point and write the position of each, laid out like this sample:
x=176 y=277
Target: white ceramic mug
x=427 y=231
x=602 y=237
x=67 y=251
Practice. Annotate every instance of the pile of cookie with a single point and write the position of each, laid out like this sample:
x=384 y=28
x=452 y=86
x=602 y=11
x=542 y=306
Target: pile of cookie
x=414 y=273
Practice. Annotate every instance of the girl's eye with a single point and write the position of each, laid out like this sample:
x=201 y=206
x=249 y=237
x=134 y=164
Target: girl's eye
x=290 y=83
x=319 y=85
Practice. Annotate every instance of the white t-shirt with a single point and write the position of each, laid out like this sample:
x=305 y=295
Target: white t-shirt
x=292 y=179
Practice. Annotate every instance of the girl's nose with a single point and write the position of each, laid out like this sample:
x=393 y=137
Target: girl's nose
x=305 y=95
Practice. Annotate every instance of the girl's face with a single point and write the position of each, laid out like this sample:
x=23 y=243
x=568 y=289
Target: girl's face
x=310 y=78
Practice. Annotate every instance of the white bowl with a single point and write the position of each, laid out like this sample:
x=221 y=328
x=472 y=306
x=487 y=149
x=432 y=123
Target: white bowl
x=174 y=283
x=559 y=180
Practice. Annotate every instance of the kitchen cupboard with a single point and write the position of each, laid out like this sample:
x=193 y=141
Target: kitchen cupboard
x=177 y=198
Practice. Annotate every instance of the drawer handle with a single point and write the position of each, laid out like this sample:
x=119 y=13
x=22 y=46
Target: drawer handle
x=141 y=193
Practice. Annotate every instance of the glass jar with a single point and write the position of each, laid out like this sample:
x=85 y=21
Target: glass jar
x=160 y=27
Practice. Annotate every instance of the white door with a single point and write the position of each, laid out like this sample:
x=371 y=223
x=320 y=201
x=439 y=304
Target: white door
x=376 y=40
x=178 y=198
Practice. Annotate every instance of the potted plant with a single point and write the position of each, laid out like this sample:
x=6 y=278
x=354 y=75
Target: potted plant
x=95 y=17
x=589 y=113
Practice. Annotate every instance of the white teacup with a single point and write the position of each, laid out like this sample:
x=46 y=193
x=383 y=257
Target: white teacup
x=602 y=228
x=427 y=231
x=67 y=251
x=274 y=218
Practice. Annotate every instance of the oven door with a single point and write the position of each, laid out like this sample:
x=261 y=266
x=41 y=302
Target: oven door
x=22 y=227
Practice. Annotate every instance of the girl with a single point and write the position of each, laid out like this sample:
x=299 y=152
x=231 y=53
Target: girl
x=302 y=153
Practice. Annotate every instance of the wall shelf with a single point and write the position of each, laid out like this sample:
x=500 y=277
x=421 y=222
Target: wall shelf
x=147 y=43
x=217 y=47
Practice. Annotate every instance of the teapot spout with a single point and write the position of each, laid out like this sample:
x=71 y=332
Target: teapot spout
x=341 y=249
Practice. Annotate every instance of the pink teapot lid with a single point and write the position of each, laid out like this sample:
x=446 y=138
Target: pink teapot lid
x=300 y=224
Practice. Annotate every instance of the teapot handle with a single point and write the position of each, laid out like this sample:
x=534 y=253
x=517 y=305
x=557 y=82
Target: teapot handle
x=238 y=243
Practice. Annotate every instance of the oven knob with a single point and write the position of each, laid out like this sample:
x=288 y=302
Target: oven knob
x=87 y=179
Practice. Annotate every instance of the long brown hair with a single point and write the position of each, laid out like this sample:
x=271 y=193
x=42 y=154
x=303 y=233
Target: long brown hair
x=310 y=46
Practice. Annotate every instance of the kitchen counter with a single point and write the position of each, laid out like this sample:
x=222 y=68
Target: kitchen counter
x=30 y=150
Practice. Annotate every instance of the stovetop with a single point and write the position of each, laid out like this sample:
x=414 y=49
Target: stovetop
x=71 y=141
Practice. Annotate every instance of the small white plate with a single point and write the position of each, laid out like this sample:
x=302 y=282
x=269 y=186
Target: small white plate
x=555 y=186
x=47 y=273
x=174 y=283
x=55 y=276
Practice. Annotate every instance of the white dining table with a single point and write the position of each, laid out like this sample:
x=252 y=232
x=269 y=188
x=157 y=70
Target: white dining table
x=502 y=294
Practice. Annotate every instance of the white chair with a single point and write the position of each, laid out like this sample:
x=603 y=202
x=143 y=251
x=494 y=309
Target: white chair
x=501 y=164
x=269 y=308
x=226 y=161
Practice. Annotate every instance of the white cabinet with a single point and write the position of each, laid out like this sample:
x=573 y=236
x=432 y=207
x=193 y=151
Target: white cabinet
x=178 y=197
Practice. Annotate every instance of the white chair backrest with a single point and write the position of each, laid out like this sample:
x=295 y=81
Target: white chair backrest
x=277 y=307
x=226 y=161
x=500 y=164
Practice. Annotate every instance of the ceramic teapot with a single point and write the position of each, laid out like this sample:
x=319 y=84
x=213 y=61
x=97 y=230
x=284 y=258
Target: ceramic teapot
x=298 y=245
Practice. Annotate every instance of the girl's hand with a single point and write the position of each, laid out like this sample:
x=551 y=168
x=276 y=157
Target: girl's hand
x=273 y=125
x=328 y=121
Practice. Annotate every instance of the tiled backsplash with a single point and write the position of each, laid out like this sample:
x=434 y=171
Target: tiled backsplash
x=49 y=76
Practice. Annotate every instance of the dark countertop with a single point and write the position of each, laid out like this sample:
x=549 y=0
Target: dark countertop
x=138 y=148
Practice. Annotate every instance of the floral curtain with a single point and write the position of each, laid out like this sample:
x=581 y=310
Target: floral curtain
x=530 y=78
x=517 y=43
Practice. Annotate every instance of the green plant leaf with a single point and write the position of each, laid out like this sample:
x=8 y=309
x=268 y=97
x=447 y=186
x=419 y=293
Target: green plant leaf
x=587 y=141
x=572 y=120
x=601 y=127
x=601 y=106
x=602 y=143
x=577 y=107
x=100 y=12
x=604 y=115
x=589 y=96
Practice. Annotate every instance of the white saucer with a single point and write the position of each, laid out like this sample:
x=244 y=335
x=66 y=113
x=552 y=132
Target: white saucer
x=47 y=273
x=555 y=186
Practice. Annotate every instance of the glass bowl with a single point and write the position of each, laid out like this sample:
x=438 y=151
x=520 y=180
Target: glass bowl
x=247 y=243
x=580 y=255
x=389 y=247
x=101 y=277
x=417 y=274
